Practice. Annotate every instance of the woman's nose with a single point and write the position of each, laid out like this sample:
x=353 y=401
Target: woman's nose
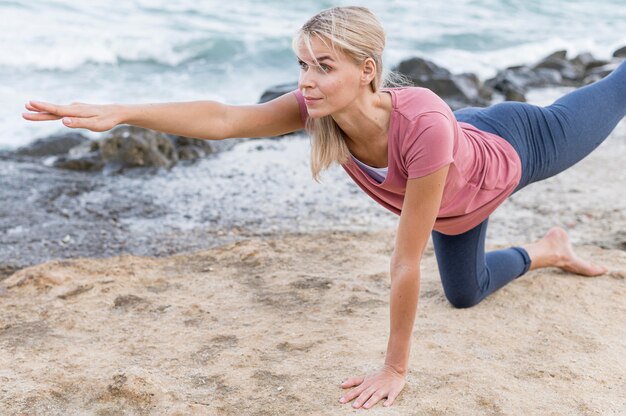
x=306 y=80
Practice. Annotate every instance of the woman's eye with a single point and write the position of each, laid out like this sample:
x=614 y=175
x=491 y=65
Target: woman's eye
x=302 y=64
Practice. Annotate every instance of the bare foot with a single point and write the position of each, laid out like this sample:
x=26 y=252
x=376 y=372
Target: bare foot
x=555 y=250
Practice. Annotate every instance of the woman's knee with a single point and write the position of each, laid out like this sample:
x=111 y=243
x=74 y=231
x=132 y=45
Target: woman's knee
x=462 y=299
x=462 y=289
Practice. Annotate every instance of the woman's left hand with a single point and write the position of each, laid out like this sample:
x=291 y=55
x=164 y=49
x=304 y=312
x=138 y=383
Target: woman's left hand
x=372 y=388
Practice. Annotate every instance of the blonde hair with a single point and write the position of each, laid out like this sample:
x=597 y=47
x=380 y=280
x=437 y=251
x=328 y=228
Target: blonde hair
x=356 y=32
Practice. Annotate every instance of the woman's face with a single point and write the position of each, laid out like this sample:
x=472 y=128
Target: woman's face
x=331 y=87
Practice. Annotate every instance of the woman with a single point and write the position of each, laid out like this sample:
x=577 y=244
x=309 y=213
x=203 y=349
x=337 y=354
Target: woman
x=444 y=173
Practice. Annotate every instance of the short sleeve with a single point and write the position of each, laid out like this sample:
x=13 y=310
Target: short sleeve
x=304 y=114
x=428 y=144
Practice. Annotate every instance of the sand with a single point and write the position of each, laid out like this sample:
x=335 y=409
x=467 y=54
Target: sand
x=273 y=327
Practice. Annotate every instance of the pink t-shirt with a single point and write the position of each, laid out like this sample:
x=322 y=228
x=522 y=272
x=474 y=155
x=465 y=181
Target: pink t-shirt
x=424 y=136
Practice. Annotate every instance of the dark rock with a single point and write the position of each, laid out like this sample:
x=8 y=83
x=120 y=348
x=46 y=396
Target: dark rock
x=515 y=81
x=596 y=64
x=590 y=79
x=603 y=70
x=510 y=82
x=277 y=90
x=122 y=148
x=190 y=153
x=472 y=88
x=131 y=146
x=91 y=161
x=421 y=70
x=192 y=149
x=598 y=73
x=512 y=94
x=620 y=53
x=558 y=55
x=584 y=59
x=549 y=76
x=558 y=61
x=458 y=91
x=52 y=145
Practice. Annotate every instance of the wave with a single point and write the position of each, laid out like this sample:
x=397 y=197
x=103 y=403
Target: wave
x=107 y=51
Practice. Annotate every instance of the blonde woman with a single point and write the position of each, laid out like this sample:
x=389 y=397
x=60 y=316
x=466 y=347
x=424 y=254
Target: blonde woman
x=443 y=172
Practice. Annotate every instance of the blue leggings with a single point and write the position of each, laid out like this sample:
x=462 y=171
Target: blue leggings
x=548 y=140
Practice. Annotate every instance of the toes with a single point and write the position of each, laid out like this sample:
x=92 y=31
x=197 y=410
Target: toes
x=599 y=270
x=584 y=268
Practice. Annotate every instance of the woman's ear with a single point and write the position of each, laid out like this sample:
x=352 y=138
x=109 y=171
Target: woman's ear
x=368 y=71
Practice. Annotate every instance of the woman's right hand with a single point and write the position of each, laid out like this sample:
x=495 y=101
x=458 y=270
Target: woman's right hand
x=76 y=115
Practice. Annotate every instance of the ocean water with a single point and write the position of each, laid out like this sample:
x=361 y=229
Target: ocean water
x=182 y=50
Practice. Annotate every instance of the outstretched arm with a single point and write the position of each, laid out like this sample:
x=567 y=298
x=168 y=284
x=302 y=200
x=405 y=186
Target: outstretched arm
x=208 y=120
x=419 y=211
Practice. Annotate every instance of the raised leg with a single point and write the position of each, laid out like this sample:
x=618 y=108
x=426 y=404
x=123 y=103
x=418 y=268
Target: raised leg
x=551 y=139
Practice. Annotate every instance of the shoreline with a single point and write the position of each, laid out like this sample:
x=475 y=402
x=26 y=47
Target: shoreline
x=52 y=214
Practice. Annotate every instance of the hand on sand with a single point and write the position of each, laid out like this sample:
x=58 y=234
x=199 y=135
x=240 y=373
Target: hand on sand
x=76 y=115
x=372 y=388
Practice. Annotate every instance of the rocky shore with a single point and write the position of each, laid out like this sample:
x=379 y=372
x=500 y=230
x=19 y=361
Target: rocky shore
x=68 y=196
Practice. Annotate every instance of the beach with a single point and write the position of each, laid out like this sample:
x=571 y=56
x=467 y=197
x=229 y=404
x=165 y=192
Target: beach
x=273 y=324
x=148 y=274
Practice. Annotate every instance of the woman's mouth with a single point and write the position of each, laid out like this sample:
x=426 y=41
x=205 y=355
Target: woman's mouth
x=310 y=100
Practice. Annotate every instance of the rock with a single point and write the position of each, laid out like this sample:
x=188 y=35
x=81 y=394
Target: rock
x=458 y=91
x=596 y=64
x=515 y=81
x=558 y=55
x=558 y=61
x=131 y=146
x=123 y=147
x=512 y=94
x=583 y=59
x=91 y=161
x=277 y=90
x=598 y=73
x=190 y=153
x=421 y=70
x=548 y=76
x=52 y=145
x=511 y=82
x=191 y=149
x=620 y=53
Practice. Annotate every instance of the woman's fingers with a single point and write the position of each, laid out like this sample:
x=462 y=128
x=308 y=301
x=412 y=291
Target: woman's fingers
x=352 y=381
x=373 y=388
x=364 y=396
x=80 y=123
x=376 y=396
x=77 y=115
x=72 y=110
x=391 y=397
x=46 y=107
x=356 y=392
x=40 y=116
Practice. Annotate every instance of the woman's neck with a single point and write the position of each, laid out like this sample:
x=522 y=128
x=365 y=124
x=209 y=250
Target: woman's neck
x=366 y=126
x=366 y=121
